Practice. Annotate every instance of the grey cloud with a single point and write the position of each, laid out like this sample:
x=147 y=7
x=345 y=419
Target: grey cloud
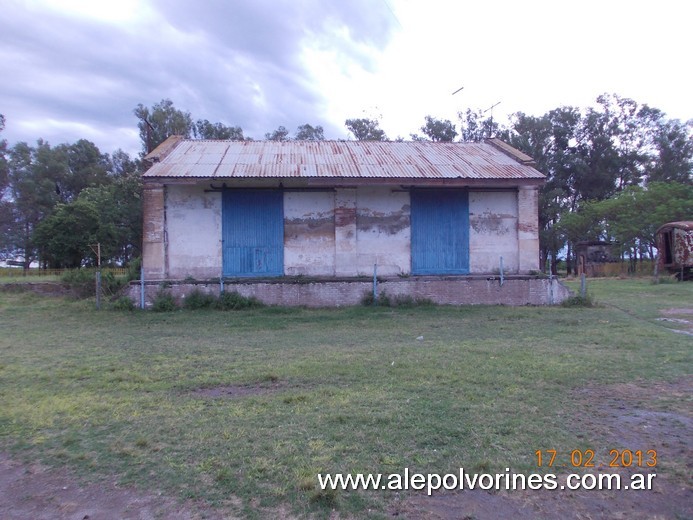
x=210 y=58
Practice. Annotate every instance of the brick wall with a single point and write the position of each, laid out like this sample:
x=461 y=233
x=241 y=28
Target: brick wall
x=449 y=290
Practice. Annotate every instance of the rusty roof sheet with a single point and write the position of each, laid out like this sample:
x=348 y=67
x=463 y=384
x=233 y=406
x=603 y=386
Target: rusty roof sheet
x=492 y=159
x=686 y=225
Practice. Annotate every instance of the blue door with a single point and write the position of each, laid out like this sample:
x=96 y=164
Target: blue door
x=439 y=232
x=253 y=233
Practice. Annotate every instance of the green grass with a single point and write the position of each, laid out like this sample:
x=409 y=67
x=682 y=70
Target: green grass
x=345 y=390
x=640 y=298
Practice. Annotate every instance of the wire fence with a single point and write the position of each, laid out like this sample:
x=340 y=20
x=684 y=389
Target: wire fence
x=607 y=269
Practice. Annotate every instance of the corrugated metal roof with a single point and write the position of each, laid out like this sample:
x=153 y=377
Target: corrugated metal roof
x=686 y=225
x=492 y=159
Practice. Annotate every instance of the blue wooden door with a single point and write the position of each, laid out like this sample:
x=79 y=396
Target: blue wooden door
x=253 y=233
x=439 y=232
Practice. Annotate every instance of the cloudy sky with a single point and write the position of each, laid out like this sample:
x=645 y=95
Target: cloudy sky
x=75 y=69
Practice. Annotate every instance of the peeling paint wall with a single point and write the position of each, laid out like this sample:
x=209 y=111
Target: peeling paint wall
x=334 y=233
x=493 y=231
x=345 y=252
x=309 y=245
x=383 y=232
x=193 y=221
x=528 y=228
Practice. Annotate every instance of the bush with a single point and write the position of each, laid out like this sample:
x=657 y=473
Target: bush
x=134 y=269
x=123 y=304
x=199 y=300
x=233 y=301
x=83 y=282
x=110 y=285
x=164 y=302
x=579 y=301
x=80 y=281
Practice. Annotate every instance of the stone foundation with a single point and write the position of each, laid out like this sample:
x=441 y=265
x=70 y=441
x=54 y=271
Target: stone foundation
x=337 y=292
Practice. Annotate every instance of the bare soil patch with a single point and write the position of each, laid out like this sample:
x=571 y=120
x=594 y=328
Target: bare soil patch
x=631 y=416
x=36 y=492
x=238 y=391
x=626 y=416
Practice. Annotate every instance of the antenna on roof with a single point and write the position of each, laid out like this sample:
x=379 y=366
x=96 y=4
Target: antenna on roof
x=490 y=126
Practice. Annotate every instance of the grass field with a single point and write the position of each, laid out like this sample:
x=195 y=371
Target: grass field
x=244 y=409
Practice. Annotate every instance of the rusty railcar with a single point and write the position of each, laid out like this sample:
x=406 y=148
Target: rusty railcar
x=675 y=244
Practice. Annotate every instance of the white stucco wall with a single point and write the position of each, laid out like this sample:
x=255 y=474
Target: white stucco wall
x=193 y=232
x=383 y=232
x=309 y=243
x=342 y=232
x=493 y=217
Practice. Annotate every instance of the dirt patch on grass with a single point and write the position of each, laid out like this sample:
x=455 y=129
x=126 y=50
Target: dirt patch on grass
x=638 y=415
x=34 y=491
x=635 y=416
x=238 y=391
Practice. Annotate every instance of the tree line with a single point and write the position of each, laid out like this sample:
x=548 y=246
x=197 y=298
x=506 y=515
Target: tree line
x=615 y=171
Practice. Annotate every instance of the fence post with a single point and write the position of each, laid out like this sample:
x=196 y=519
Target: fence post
x=583 y=285
x=501 y=271
x=375 y=284
x=142 y=288
x=551 y=298
x=98 y=290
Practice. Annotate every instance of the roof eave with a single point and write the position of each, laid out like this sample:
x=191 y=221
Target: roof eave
x=350 y=181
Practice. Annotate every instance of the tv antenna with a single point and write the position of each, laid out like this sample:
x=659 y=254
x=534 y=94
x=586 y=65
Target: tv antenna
x=490 y=126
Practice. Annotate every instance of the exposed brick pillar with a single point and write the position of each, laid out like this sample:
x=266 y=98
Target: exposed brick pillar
x=528 y=228
x=346 y=257
x=153 y=232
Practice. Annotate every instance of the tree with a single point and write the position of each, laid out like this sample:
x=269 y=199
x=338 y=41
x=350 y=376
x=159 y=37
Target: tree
x=110 y=214
x=474 y=127
x=551 y=141
x=85 y=166
x=33 y=192
x=3 y=160
x=64 y=237
x=365 y=129
x=280 y=134
x=120 y=164
x=673 y=152
x=41 y=177
x=161 y=122
x=5 y=205
x=203 y=129
x=439 y=130
x=631 y=217
x=309 y=133
x=119 y=205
